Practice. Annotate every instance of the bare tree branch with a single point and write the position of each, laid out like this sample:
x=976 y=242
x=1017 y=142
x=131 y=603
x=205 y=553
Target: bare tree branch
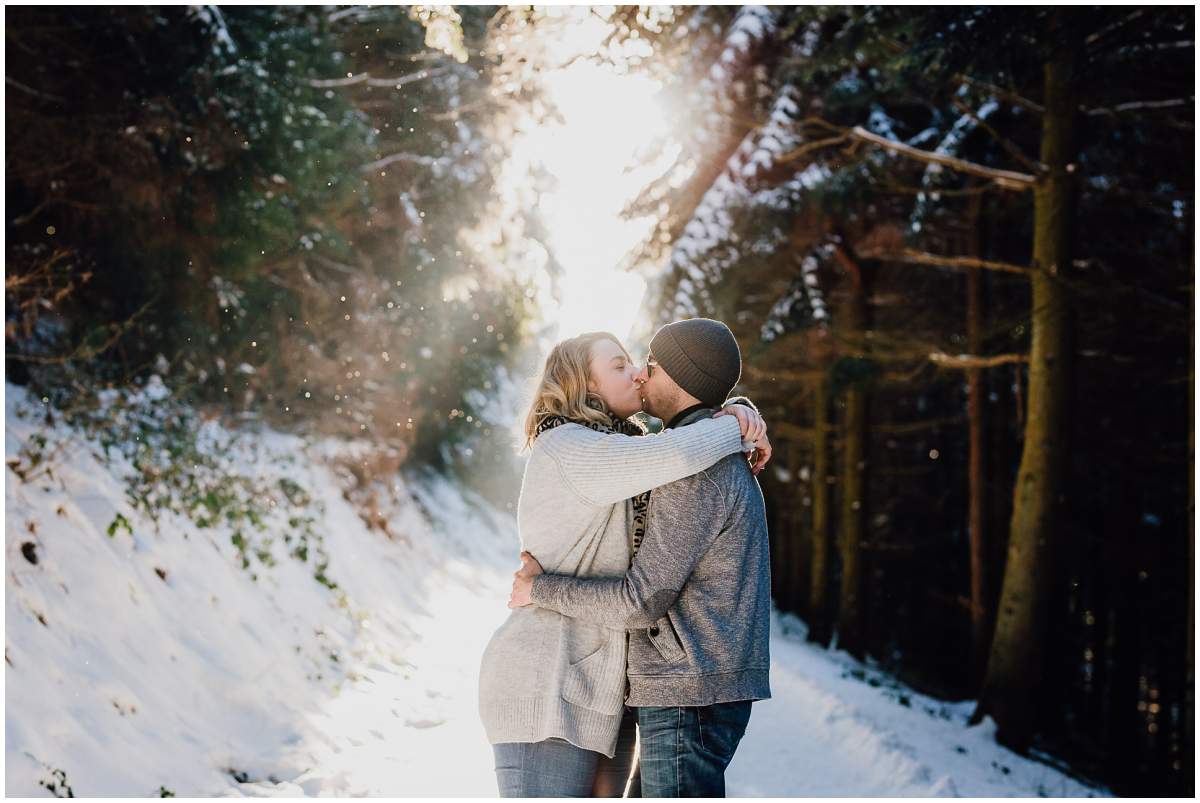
x=33 y=213
x=30 y=90
x=414 y=158
x=338 y=266
x=1032 y=165
x=970 y=361
x=808 y=147
x=913 y=257
x=904 y=189
x=351 y=11
x=1036 y=108
x=82 y=353
x=782 y=374
x=1103 y=32
x=1002 y=92
x=1152 y=47
x=1008 y=179
x=907 y=427
x=363 y=77
x=1139 y=105
x=788 y=431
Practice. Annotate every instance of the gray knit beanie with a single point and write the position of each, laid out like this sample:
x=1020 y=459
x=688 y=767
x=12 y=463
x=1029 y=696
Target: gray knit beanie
x=701 y=355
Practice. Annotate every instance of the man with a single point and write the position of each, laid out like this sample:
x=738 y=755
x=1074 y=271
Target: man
x=696 y=600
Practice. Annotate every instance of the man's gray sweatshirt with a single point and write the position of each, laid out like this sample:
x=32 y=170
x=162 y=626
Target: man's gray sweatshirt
x=696 y=600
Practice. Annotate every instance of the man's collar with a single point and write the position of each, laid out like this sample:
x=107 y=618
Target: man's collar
x=682 y=414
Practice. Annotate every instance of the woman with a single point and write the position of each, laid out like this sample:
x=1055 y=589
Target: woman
x=551 y=688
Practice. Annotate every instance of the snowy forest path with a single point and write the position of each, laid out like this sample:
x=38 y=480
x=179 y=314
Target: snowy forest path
x=412 y=727
x=833 y=727
x=206 y=682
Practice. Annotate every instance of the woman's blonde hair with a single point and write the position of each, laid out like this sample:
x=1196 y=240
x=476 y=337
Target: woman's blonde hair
x=563 y=387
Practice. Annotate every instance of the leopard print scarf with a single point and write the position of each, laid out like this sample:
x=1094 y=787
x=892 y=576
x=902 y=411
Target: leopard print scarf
x=641 y=502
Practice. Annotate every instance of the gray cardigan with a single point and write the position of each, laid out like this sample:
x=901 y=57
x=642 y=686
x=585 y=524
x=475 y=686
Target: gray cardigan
x=543 y=674
x=697 y=598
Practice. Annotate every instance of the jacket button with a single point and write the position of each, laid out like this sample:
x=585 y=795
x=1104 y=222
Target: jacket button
x=654 y=630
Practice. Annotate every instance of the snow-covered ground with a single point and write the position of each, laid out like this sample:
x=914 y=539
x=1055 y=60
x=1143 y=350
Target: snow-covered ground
x=150 y=659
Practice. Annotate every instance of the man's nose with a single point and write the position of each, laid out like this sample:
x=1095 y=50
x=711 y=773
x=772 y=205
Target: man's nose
x=641 y=375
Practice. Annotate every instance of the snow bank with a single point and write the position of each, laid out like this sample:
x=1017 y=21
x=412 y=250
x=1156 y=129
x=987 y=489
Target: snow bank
x=837 y=728
x=151 y=659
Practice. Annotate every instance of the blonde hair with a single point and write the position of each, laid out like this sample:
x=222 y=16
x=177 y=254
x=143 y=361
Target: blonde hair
x=563 y=387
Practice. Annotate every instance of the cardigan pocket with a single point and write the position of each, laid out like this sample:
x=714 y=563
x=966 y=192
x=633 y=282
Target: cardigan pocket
x=597 y=682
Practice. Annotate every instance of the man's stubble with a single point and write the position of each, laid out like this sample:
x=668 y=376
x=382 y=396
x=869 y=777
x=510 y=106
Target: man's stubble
x=658 y=405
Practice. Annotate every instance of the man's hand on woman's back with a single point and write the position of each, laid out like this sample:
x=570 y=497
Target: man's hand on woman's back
x=522 y=587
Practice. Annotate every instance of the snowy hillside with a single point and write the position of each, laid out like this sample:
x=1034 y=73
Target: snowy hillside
x=142 y=658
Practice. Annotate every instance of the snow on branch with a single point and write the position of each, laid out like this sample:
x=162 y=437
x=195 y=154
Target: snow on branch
x=726 y=76
x=212 y=19
x=805 y=294
x=706 y=248
x=776 y=138
x=750 y=27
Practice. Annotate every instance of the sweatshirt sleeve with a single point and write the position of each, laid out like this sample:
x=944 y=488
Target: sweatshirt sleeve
x=608 y=468
x=684 y=519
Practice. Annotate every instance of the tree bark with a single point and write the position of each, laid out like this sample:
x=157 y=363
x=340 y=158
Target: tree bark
x=819 y=629
x=977 y=481
x=1016 y=656
x=850 y=540
x=852 y=513
x=797 y=573
x=1189 y=680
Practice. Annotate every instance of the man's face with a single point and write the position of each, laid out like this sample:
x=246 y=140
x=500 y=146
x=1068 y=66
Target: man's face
x=658 y=390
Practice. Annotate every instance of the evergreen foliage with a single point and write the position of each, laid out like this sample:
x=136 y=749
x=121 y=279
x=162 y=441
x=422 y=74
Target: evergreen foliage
x=234 y=199
x=825 y=205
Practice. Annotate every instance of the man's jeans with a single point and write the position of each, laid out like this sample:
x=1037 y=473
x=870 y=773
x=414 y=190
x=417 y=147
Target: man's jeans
x=684 y=751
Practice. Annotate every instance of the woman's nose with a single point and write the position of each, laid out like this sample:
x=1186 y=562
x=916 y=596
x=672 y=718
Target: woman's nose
x=641 y=375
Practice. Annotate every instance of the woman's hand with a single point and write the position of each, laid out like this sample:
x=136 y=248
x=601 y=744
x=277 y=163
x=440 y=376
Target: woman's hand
x=522 y=587
x=760 y=455
x=752 y=424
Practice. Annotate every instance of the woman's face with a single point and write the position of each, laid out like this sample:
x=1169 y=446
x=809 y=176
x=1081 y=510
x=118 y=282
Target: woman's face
x=611 y=379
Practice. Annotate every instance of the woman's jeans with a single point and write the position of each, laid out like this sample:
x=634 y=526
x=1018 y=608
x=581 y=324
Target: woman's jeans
x=684 y=750
x=557 y=768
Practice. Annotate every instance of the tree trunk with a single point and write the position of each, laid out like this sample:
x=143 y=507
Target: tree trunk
x=819 y=629
x=1003 y=438
x=852 y=513
x=1189 y=680
x=977 y=501
x=1016 y=657
x=781 y=549
x=850 y=539
x=796 y=570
